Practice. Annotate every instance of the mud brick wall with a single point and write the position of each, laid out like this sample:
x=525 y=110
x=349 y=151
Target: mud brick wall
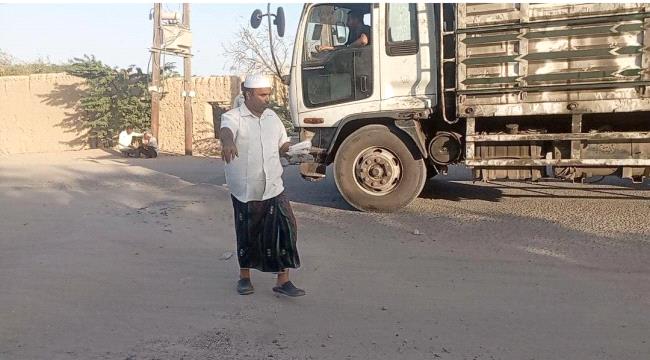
x=38 y=113
x=213 y=96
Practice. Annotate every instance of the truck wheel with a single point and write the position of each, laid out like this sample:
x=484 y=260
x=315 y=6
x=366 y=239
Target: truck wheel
x=374 y=170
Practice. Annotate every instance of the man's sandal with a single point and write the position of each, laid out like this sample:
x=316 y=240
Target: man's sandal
x=289 y=289
x=245 y=287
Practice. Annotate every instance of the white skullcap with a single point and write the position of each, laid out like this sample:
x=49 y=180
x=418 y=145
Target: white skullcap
x=257 y=81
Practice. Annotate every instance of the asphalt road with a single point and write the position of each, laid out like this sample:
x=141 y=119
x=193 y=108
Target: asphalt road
x=110 y=258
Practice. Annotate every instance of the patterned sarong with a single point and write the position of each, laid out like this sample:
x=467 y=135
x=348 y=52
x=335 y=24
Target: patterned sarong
x=266 y=234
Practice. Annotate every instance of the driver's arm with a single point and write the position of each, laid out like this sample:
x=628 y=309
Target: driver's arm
x=324 y=48
x=360 y=42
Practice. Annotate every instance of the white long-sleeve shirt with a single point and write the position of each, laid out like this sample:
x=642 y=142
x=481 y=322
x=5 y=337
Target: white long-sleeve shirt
x=125 y=139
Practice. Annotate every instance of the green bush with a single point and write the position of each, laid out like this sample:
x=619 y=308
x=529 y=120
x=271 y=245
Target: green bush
x=114 y=98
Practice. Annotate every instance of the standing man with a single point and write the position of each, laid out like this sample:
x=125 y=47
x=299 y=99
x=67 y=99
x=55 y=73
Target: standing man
x=253 y=138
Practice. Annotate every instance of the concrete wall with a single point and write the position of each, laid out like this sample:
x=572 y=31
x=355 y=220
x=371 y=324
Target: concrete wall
x=38 y=113
x=214 y=96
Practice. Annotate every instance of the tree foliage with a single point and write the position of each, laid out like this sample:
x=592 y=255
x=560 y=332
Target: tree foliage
x=251 y=53
x=169 y=70
x=114 y=97
x=5 y=58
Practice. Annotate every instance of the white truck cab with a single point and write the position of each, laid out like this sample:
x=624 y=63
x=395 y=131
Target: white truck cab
x=393 y=76
x=395 y=71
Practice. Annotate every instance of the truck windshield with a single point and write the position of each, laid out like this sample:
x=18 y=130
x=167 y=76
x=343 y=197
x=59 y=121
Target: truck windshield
x=337 y=56
x=325 y=29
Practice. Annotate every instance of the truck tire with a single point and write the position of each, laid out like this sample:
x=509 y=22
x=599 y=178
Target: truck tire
x=431 y=170
x=375 y=170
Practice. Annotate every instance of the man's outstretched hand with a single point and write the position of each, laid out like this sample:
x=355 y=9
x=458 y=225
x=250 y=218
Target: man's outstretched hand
x=228 y=147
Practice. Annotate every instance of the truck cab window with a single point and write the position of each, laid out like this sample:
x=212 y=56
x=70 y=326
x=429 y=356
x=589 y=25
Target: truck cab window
x=401 y=29
x=326 y=28
x=337 y=55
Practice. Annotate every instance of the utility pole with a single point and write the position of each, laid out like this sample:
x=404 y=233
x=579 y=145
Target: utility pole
x=187 y=86
x=155 y=76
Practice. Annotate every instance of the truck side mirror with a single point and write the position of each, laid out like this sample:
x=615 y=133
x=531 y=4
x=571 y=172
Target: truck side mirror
x=257 y=15
x=256 y=18
x=280 y=21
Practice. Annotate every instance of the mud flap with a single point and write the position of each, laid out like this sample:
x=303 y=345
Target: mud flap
x=414 y=130
x=312 y=171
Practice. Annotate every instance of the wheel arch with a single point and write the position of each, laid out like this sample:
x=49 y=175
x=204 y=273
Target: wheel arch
x=408 y=130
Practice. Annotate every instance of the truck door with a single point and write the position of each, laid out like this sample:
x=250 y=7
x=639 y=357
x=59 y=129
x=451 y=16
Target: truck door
x=408 y=60
x=329 y=84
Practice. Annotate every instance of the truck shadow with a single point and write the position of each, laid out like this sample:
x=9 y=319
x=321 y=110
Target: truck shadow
x=457 y=191
x=578 y=191
x=457 y=186
x=437 y=189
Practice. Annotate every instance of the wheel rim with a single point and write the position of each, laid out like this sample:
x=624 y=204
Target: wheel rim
x=377 y=171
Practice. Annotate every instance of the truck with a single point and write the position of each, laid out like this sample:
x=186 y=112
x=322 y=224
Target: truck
x=514 y=91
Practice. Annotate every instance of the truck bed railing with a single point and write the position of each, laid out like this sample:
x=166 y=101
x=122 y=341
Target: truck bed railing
x=596 y=136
